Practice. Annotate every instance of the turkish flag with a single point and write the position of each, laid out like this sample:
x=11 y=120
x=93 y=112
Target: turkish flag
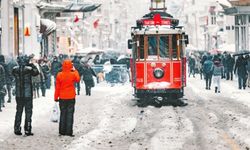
x=76 y=19
x=96 y=23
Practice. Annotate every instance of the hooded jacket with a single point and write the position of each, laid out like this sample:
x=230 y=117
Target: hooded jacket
x=65 y=81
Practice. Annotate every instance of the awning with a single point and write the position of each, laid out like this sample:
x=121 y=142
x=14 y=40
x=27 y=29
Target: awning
x=47 y=26
x=68 y=7
x=81 y=7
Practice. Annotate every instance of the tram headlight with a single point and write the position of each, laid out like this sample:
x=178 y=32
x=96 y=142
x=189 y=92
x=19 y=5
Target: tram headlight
x=158 y=73
x=153 y=64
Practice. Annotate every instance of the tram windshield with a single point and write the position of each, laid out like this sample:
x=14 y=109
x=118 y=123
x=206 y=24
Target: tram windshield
x=157 y=47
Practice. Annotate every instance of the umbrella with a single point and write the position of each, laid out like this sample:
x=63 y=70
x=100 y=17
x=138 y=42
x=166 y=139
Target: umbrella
x=214 y=51
x=242 y=52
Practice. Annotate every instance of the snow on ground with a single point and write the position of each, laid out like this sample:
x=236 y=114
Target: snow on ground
x=41 y=107
x=109 y=127
x=229 y=89
x=239 y=121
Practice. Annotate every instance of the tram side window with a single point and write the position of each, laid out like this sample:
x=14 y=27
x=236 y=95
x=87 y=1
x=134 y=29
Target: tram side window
x=152 y=45
x=174 y=46
x=141 y=47
x=164 y=47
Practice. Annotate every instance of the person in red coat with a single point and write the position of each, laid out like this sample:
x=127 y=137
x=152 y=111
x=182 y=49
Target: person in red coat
x=65 y=94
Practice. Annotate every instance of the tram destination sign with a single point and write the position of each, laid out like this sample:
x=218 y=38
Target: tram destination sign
x=151 y=22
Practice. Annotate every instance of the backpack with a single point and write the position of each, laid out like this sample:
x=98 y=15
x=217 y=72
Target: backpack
x=208 y=66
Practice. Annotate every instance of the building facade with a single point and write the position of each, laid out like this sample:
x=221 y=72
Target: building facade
x=240 y=10
x=20 y=17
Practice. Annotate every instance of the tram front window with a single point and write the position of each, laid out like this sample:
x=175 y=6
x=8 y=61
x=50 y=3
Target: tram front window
x=152 y=46
x=164 y=47
x=174 y=46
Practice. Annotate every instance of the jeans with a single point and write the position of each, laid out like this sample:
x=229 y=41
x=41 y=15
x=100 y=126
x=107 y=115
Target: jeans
x=27 y=104
x=208 y=78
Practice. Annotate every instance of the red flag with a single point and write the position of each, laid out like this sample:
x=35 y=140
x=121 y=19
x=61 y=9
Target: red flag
x=96 y=23
x=76 y=19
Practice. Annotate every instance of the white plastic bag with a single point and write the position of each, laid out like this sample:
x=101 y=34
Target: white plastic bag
x=55 y=115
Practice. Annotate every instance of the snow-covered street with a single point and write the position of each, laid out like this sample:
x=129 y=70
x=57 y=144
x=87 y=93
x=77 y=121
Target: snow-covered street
x=110 y=119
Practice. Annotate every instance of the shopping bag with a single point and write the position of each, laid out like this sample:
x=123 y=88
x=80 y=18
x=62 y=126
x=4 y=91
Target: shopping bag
x=55 y=115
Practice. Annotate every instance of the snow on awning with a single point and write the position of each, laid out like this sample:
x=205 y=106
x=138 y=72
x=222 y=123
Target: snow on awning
x=47 y=26
x=68 y=7
x=81 y=7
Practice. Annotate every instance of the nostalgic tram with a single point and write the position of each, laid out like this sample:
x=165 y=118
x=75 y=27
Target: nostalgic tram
x=158 y=63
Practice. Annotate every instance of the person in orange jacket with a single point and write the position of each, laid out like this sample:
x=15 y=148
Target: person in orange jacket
x=65 y=94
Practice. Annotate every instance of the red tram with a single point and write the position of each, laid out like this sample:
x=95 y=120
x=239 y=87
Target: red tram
x=158 y=64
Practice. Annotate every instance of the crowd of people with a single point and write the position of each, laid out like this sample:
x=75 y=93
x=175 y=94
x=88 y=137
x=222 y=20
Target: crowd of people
x=220 y=66
x=29 y=77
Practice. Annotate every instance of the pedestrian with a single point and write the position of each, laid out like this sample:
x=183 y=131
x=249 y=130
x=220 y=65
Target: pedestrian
x=241 y=69
x=2 y=84
x=88 y=74
x=191 y=64
x=56 y=67
x=248 y=70
x=230 y=62
x=46 y=72
x=217 y=75
x=10 y=65
x=24 y=93
x=208 y=72
x=7 y=79
x=38 y=80
x=78 y=66
x=65 y=93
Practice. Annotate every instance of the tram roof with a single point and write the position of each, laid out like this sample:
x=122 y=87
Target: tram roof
x=157 y=30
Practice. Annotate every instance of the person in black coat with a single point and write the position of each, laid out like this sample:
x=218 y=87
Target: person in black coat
x=88 y=74
x=24 y=93
x=10 y=65
x=240 y=68
x=230 y=64
x=78 y=66
x=56 y=67
x=2 y=83
x=7 y=75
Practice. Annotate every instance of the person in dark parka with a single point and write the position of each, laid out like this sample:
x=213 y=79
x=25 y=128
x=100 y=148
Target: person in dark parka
x=24 y=93
x=240 y=68
x=230 y=65
x=7 y=79
x=78 y=66
x=10 y=65
x=56 y=67
x=88 y=74
x=208 y=72
x=2 y=83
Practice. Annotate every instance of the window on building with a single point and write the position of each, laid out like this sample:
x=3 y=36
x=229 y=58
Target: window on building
x=213 y=19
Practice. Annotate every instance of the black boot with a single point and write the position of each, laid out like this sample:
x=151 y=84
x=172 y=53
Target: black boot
x=29 y=133
x=216 y=89
x=28 y=129
x=17 y=131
